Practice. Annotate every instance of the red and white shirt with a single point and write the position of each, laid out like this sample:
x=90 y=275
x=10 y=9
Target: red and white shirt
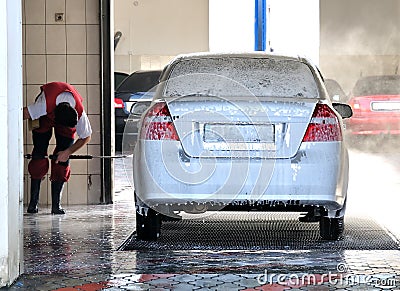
x=39 y=108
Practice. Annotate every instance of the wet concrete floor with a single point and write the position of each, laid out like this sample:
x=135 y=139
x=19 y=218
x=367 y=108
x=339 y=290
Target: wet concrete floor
x=78 y=251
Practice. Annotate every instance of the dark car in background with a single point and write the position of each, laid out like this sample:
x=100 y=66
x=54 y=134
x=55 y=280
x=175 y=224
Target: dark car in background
x=335 y=91
x=118 y=78
x=131 y=90
x=375 y=101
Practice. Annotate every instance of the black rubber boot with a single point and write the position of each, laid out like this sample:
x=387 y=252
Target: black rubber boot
x=35 y=189
x=56 y=191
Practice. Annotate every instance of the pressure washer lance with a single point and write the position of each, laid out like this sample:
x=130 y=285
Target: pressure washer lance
x=79 y=157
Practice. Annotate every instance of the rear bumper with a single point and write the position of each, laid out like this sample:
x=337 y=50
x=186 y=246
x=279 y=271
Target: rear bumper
x=373 y=126
x=317 y=175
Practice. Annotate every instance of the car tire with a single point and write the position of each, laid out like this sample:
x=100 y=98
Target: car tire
x=331 y=228
x=148 y=227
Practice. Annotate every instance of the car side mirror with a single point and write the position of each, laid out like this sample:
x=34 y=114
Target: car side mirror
x=343 y=109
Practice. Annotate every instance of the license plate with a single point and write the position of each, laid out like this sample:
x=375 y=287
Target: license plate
x=239 y=133
x=386 y=106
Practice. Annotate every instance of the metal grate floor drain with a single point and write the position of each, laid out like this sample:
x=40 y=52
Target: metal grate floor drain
x=263 y=231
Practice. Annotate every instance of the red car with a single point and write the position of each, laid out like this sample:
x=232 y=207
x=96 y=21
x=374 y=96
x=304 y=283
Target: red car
x=375 y=101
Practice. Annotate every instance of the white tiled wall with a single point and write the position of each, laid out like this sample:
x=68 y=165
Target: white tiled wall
x=68 y=51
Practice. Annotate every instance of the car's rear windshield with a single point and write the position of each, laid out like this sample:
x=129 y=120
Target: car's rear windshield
x=139 y=82
x=377 y=85
x=236 y=77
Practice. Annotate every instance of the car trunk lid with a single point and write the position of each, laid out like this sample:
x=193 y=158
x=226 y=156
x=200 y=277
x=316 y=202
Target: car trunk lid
x=239 y=127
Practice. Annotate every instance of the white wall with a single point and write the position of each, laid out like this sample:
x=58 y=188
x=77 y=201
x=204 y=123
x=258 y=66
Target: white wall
x=154 y=31
x=231 y=25
x=293 y=27
x=3 y=139
x=11 y=170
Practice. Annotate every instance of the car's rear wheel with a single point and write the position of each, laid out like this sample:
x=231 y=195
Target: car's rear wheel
x=148 y=225
x=331 y=228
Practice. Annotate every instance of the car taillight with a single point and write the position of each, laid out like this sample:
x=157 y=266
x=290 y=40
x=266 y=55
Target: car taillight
x=157 y=124
x=118 y=103
x=354 y=103
x=324 y=125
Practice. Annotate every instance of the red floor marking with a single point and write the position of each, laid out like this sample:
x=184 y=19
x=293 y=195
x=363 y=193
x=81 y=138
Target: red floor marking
x=87 y=287
x=101 y=285
x=308 y=280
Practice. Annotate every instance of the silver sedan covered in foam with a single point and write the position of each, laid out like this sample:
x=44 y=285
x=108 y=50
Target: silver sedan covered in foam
x=241 y=132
